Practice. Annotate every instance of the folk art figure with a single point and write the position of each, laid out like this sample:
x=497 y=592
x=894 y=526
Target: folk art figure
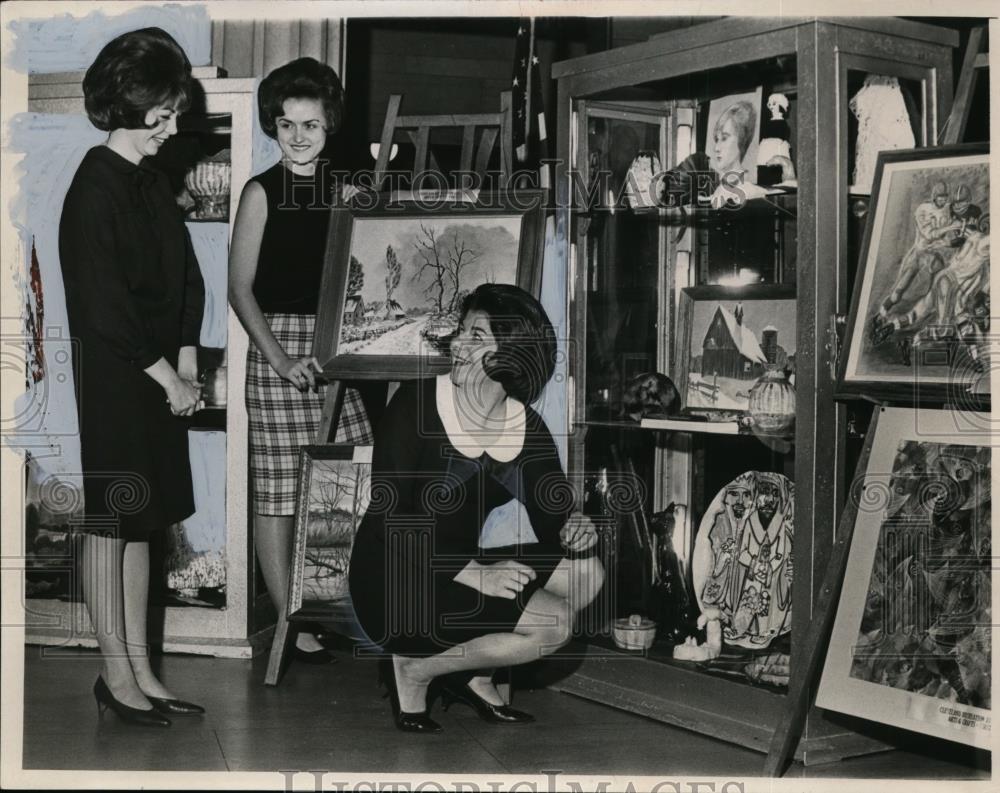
x=742 y=562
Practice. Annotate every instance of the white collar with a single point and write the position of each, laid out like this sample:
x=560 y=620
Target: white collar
x=507 y=446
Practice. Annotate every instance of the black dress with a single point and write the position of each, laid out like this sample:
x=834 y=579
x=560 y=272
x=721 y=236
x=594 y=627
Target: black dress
x=134 y=294
x=429 y=501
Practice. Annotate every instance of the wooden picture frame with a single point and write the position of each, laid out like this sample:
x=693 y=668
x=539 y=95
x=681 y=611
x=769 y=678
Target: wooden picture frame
x=911 y=642
x=439 y=251
x=896 y=346
x=763 y=305
x=333 y=493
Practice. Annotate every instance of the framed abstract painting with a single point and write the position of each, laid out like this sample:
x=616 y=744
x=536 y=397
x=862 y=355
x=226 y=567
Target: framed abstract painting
x=912 y=640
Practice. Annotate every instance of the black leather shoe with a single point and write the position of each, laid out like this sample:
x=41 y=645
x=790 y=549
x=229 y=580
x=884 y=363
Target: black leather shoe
x=317 y=657
x=138 y=716
x=455 y=690
x=405 y=721
x=176 y=707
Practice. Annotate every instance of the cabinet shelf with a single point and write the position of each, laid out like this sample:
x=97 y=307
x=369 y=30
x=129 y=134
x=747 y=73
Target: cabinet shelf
x=727 y=667
x=775 y=199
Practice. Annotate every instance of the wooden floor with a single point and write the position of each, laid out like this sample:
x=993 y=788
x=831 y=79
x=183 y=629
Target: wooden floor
x=332 y=717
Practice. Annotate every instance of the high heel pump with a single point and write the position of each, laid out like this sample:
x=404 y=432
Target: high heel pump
x=142 y=718
x=458 y=690
x=175 y=707
x=407 y=722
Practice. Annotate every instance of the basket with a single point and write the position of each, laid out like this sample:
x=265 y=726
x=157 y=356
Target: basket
x=634 y=633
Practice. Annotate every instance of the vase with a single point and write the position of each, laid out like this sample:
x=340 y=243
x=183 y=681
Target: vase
x=772 y=402
x=208 y=184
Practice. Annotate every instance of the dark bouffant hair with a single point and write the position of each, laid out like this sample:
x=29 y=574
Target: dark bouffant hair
x=303 y=78
x=526 y=342
x=134 y=73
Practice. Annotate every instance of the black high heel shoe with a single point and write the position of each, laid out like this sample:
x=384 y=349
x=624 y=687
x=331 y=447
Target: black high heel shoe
x=142 y=718
x=407 y=722
x=458 y=690
x=175 y=707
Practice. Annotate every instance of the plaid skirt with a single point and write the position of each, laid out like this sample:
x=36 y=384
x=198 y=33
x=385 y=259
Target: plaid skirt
x=282 y=418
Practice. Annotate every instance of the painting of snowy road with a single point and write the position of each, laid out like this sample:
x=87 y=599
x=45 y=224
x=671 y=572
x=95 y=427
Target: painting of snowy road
x=408 y=277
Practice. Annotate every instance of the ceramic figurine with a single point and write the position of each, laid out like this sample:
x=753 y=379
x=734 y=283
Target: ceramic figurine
x=774 y=154
x=711 y=620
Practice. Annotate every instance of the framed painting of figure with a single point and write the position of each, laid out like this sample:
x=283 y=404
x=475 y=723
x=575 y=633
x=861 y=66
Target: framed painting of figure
x=919 y=322
x=396 y=273
x=727 y=338
x=334 y=489
x=912 y=639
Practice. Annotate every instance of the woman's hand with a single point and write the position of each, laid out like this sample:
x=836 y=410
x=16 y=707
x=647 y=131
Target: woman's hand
x=187 y=364
x=298 y=371
x=505 y=579
x=347 y=192
x=501 y=579
x=579 y=533
x=184 y=398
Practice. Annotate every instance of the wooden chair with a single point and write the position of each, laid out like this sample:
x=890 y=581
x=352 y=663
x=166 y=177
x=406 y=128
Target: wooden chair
x=475 y=156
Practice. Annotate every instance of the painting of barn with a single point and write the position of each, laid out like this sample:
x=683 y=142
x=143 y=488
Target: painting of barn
x=725 y=345
x=730 y=349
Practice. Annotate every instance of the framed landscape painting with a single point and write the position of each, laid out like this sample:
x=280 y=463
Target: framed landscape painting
x=919 y=324
x=396 y=273
x=333 y=493
x=912 y=641
x=727 y=337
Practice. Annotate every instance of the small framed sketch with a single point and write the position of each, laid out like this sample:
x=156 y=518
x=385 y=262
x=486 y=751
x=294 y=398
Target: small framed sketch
x=396 y=273
x=912 y=640
x=919 y=324
x=727 y=337
x=333 y=493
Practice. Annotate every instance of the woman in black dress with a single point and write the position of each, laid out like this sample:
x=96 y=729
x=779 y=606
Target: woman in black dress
x=276 y=263
x=447 y=452
x=134 y=299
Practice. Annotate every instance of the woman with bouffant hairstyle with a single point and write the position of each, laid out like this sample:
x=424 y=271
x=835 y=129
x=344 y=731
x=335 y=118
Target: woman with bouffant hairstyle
x=305 y=78
x=134 y=299
x=134 y=73
x=448 y=451
x=275 y=267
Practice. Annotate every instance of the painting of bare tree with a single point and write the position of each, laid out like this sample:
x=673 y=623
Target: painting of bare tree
x=395 y=279
x=334 y=486
x=415 y=273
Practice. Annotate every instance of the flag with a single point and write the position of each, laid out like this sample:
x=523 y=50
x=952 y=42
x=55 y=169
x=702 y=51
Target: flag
x=529 y=138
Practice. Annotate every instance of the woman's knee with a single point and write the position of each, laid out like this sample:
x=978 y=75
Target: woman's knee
x=590 y=578
x=553 y=627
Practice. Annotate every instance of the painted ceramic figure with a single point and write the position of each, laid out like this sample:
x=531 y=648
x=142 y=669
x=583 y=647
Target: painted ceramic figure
x=742 y=562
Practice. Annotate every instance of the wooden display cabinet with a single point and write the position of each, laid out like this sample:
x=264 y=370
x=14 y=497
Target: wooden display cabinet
x=240 y=623
x=627 y=269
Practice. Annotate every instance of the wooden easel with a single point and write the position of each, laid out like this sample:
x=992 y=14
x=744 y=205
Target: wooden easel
x=977 y=58
x=495 y=130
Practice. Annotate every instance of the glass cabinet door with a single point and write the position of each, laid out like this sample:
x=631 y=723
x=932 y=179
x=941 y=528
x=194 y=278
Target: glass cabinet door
x=624 y=147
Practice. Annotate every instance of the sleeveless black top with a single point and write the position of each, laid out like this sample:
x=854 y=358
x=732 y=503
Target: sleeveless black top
x=290 y=262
